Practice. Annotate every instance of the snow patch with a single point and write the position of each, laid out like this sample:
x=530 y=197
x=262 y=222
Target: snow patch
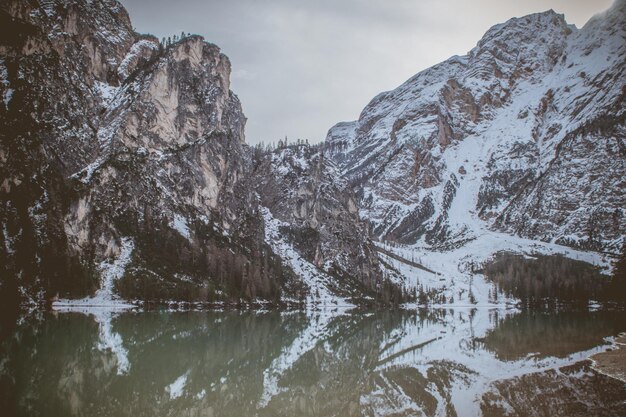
x=135 y=50
x=456 y=279
x=175 y=389
x=85 y=174
x=106 y=91
x=179 y=223
x=317 y=280
x=110 y=272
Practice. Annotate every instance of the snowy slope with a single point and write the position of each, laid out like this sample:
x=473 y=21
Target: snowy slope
x=317 y=280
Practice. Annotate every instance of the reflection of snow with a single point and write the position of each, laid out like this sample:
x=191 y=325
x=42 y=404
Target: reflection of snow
x=110 y=340
x=104 y=297
x=447 y=347
x=316 y=331
x=104 y=305
x=175 y=389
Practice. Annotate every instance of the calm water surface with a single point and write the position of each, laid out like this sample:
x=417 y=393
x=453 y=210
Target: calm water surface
x=434 y=362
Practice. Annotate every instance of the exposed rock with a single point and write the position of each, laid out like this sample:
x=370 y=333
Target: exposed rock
x=129 y=162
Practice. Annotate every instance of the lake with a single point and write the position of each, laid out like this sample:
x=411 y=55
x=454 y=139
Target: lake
x=463 y=362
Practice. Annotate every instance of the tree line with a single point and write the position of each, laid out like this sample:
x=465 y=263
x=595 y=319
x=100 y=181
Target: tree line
x=170 y=40
x=554 y=279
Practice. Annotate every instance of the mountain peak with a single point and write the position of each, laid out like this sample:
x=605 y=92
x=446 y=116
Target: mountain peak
x=612 y=18
x=530 y=29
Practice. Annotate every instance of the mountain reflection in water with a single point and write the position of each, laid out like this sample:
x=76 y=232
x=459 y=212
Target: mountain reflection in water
x=459 y=362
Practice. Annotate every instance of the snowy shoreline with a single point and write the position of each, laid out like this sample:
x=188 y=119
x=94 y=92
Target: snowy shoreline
x=78 y=306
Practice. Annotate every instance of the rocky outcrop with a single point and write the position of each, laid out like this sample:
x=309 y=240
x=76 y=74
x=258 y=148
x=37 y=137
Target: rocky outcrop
x=146 y=148
x=319 y=217
x=524 y=134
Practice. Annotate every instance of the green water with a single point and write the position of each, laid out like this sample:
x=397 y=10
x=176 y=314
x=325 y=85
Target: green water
x=403 y=363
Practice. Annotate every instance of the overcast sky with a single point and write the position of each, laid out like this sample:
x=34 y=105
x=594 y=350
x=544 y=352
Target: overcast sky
x=300 y=66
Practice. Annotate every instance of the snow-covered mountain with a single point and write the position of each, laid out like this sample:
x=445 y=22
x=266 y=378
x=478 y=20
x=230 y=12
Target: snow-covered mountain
x=125 y=174
x=519 y=143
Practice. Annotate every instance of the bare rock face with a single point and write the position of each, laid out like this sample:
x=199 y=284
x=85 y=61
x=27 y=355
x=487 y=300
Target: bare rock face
x=319 y=217
x=524 y=134
x=52 y=60
x=145 y=148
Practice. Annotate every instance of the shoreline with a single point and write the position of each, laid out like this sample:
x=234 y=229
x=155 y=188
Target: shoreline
x=121 y=305
x=612 y=363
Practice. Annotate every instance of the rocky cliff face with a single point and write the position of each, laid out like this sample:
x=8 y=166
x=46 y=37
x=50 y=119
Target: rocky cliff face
x=125 y=171
x=316 y=216
x=524 y=134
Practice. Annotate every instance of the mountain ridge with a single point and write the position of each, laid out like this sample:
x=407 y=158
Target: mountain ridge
x=138 y=185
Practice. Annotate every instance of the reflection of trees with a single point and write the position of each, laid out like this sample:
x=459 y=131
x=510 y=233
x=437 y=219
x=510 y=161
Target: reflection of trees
x=50 y=364
x=58 y=369
x=221 y=357
x=550 y=334
x=552 y=277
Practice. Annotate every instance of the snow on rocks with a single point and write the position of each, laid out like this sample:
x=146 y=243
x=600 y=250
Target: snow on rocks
x=144 y=47
x=179 y=223
x=106 y=91
x=85 y=174
x=317 y=280
x=104 y=297
x=505 y=139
